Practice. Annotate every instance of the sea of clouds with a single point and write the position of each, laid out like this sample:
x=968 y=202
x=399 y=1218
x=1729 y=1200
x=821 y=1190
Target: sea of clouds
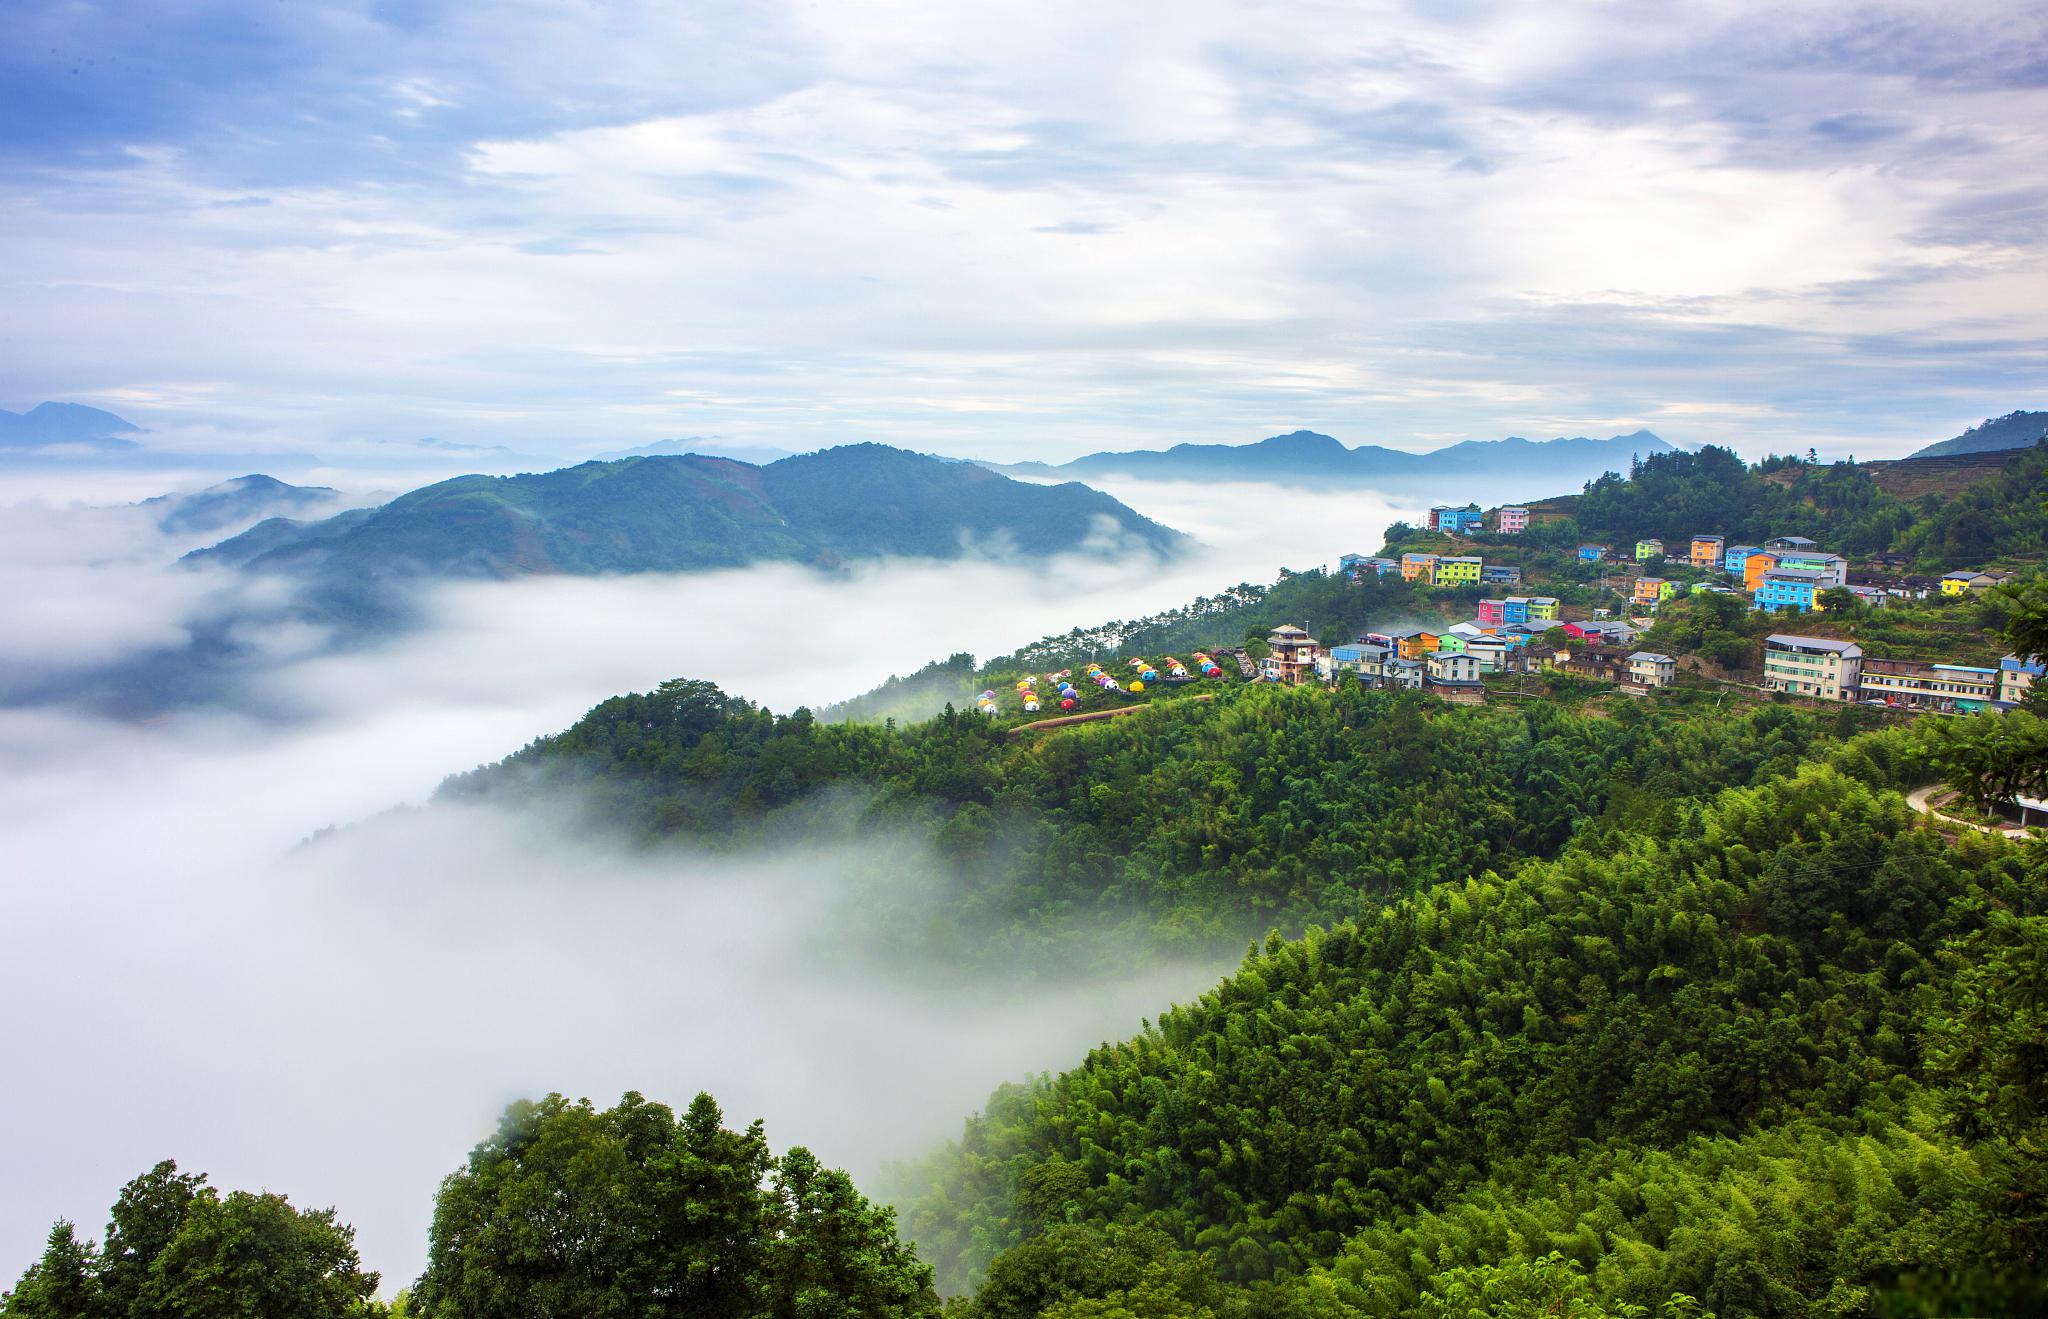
x=342 y=1021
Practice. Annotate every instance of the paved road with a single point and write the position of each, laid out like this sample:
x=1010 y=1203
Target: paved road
x=1918 y=799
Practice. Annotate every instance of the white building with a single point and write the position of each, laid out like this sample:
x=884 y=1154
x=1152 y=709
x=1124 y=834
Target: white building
x=1646 y=668
x=1812 y=666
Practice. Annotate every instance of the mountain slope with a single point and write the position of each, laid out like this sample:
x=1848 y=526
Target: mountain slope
x=241 y=501
x=64 y=423
x=1311 y=457
x=2015 y=430
x=658 y=514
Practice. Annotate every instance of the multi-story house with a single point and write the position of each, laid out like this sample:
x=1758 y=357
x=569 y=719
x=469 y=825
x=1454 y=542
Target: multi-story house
x=1515 y=609
x=1457 y=570
x=1454 y=669
x=1501 y=574
x=1452 y=641
x=1789 y=588
x=1493 y=613
x=1646 y=668
x=1404 y=674
x=1832 y=569
x=1649 y=549
x=1491 y=652
x=1358 y=565
x=1736 y=558
x=2016 y=678
x=1791 y=543
x=1650 y=590
x=1458 y=521
x=1542 y=609
x=1418 y=567
x=1292 y=656
x=1513 y=520
x=1949 y=688
x=1416 y=643
x=1873 y=596
x=1754 y=568
x=1363 y=658
x=1707 y=551
x=1592 y=553
x=1812 y=666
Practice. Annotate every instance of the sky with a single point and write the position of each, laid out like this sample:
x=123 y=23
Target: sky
x=1024 y=230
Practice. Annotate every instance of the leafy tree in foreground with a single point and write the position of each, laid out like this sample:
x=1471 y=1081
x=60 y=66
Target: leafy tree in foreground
x=568 y=1210
x=177 y=1249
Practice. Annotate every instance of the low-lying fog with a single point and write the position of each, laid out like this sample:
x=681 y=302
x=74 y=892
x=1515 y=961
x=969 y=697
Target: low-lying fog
x=342 y=1022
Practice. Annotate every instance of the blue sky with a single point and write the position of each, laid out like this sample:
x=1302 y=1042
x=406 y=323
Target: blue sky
x=1027 y=230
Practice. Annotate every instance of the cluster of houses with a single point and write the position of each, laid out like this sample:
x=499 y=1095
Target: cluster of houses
x=1434 y=569
x=1455 y=660
x=1827 y=669
x=1786 y=572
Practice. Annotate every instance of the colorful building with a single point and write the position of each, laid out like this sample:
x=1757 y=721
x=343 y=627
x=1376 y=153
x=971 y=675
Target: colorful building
x=1493 y=613
x=1735 y=559
x=1754 y=568
x=1832 y=569
x=1416 y=643
x=1457 y=570
x=1513 y=520
x=1649 y=549
x=1820 y=667
x=1457 y=521
x=1789 y=588
x=1962 y=583
x=1650 y=590
x=1418 y=567
x=1542 y=609
x=1592 y=553
x=1707 y=551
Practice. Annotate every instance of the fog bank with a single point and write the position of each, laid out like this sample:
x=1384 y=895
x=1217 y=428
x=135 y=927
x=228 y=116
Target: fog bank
x=342 y=1022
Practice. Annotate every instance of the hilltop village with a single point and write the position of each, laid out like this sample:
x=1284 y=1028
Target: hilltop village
x=1819 y=584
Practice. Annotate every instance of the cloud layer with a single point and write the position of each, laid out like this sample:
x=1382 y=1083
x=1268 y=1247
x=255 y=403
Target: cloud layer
x=1016 y=231
x=341 y=1022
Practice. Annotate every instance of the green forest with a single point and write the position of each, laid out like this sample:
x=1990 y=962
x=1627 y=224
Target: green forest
x=1576 y=1006
x=1674 y=496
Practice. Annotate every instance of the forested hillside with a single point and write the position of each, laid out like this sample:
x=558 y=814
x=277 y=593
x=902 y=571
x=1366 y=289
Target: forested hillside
x=1185 y=825
x=1754 y=1050
x=1674 y=496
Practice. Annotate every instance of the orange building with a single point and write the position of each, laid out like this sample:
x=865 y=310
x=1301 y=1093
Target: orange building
x=1754 y=568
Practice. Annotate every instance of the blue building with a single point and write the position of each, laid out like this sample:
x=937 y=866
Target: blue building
x=1788 y=588
x=1515 y=609
x=1458 y=521
x=1592 y=553
x=1736 y=560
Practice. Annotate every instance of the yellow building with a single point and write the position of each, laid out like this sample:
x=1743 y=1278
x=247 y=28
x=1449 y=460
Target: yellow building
x=1648 y=549
x=1418 y=566
x=1542 y=609
x=1458 y=571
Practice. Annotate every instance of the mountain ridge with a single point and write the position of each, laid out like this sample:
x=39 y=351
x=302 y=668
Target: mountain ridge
x=676 y=513
x=1306 y=455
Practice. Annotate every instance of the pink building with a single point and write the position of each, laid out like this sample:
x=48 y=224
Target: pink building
x=1514 y=521
x=1493 y=613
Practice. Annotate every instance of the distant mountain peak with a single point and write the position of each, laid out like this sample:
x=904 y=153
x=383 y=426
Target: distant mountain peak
x=65 y=423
